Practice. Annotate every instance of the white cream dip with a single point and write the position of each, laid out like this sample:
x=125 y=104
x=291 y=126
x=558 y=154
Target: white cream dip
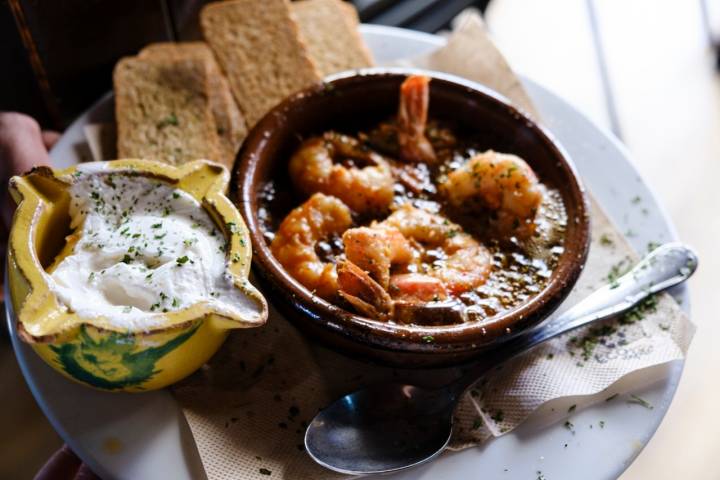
x=144 y=249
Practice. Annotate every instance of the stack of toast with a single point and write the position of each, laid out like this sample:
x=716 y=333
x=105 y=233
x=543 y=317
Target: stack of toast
x=177 y=102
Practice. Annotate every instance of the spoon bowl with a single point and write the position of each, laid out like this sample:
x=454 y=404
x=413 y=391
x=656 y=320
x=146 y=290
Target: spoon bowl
x=381 y=429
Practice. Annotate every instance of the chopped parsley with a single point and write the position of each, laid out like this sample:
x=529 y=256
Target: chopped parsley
x=605 y=240
x=499 y=416
x=167 y=121
x=652 y=246
x=634 y=399
x=617 y=271
x=649 y=305
x=232 y=227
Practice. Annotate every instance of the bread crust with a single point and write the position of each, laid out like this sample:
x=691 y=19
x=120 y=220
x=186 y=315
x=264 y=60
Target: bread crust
x=260 y=50
x=163 y=111
x=329 y=29
x=229 y=121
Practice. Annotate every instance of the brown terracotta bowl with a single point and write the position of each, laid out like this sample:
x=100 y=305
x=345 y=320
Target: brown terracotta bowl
x=352 y=101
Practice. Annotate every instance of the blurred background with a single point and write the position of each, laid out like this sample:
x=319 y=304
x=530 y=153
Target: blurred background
x=646 y=70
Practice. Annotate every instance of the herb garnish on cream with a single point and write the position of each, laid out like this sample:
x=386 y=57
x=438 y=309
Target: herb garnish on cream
x=144 y=248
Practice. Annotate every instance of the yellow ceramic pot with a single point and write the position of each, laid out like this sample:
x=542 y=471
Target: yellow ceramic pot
x=93 y=351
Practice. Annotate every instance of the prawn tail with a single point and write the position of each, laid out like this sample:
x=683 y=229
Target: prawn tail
x=412 y=120
x=414 y=100
x=362 y=292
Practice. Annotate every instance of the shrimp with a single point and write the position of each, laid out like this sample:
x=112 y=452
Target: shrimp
x=499 y=182
x=376 y=249
x=339 y=165
x=460 y=262
x=412 y=120
x=320 y=217
x=371 y=300
x=408 y=239
x=362 y=292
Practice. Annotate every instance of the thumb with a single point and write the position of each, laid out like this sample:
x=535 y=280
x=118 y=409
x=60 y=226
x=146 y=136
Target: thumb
x=21 y=148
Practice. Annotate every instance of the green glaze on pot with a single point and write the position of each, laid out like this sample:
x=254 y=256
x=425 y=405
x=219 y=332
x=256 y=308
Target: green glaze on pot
x=115 y=360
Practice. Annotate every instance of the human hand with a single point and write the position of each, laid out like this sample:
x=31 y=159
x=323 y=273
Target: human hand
x=23 y=145
x=65 y=465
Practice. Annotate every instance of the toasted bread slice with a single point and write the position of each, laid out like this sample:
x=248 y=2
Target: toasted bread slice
x=351 y=13
x=330 y=33
x=259 y=49
x=163 y=111
x=228 y=119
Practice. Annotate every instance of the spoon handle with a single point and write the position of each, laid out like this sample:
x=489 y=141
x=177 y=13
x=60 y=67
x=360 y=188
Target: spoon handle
x=666 y=266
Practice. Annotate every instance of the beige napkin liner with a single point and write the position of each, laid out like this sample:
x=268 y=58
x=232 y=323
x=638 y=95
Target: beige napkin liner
x=249 y=406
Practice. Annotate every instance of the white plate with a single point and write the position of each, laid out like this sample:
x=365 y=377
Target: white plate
x=154 y=437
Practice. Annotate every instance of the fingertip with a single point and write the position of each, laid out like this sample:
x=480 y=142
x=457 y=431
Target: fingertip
x=50 y=138
x=63 y=464
x=84 y=473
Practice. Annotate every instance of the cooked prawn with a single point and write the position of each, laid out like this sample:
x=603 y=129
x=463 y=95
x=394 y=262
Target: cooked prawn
x=417 y=288
x=420 y=301
x=362 y=292
x=459 y=261
x=407 y=239
x=376 y=249
x=341 y=166
x=412 y=120
x=499 y=182
x=320 y=217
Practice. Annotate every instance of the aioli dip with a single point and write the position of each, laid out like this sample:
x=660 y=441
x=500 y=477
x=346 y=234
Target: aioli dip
x=144 y=249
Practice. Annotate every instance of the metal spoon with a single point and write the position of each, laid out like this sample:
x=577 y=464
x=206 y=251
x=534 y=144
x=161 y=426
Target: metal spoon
x=390 y=427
